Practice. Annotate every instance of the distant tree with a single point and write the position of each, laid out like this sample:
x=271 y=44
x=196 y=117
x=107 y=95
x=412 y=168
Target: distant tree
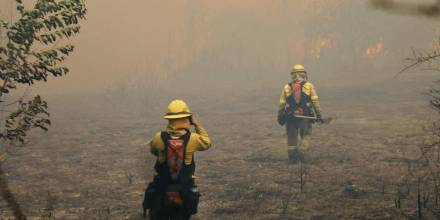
x=427 y=8
x=29 y=53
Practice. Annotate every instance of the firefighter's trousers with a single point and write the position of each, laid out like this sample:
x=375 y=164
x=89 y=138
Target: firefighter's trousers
x=298 y=131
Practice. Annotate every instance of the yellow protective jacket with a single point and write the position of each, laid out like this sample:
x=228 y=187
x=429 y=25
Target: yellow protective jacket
x=198 y=141
x=308 y=89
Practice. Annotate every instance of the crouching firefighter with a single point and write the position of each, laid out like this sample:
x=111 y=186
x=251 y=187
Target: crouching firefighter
x=299 y=108
x=173 y=194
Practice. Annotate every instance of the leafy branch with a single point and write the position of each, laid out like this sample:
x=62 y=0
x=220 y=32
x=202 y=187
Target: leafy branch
x=31 y=114
x=31 y=54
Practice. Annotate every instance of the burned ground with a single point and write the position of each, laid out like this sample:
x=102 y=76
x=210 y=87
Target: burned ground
x=97 y=167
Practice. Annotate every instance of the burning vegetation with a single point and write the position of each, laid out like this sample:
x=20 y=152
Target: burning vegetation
x=374 y=50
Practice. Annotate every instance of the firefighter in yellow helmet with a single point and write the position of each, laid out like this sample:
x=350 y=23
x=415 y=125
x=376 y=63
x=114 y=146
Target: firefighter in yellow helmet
x=299 y=107
x=173 y=194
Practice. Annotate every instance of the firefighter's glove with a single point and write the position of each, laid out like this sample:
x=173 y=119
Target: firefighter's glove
x=319 y=119
x=193 y=120
x=282 y=117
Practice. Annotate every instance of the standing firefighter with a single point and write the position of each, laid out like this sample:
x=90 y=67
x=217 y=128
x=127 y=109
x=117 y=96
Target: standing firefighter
x=299 y=108
x=173 y=193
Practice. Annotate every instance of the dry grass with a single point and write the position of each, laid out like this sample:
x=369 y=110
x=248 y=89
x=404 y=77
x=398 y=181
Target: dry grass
x=97 y=168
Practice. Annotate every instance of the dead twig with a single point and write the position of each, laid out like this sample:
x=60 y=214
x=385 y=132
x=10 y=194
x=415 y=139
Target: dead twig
x=291 y=195
x=419 y=58
x=130 y=177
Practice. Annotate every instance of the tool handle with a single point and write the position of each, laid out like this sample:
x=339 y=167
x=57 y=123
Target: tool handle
x=305 y=117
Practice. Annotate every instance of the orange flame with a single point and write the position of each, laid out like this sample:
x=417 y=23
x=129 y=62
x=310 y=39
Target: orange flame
x=373 y=50
x=320 y=45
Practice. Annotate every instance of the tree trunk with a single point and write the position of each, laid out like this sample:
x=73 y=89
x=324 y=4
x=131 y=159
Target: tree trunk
x=7 y=195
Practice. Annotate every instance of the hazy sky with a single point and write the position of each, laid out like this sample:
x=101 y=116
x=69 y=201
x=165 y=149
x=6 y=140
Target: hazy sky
x=148 y=42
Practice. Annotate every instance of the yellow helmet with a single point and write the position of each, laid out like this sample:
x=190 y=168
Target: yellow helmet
x=177 y=109
x=298 y=68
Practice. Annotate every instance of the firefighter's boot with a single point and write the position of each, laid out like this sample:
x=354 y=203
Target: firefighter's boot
x=295 y=155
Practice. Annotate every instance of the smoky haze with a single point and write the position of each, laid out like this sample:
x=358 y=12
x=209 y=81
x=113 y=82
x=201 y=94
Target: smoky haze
x=140 y=54
x=229 y=60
